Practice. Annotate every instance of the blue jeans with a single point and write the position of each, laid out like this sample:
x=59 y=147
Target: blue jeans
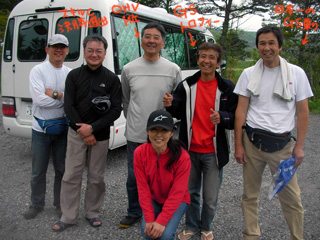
x=205 y=172
x=172 y=225
x=41 y=146
x=134 y=209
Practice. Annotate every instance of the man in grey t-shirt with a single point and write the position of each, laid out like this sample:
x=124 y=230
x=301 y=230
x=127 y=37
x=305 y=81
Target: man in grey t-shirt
x=144 y=82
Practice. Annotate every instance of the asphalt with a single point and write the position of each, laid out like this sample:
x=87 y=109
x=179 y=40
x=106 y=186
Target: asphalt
x=15 y=158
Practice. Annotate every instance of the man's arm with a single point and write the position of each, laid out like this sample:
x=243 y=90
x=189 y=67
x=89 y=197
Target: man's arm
x=125 y=92
x=38 y=92
x=49 y=92
x=70 y=99
x=227 y=116
x=302 y=127
x=175 y=103
x=240 y=120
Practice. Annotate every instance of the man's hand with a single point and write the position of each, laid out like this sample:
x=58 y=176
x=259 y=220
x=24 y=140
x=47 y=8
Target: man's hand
x=167 y=100
x=154 y=230
x=84 y=130
x=240 y=154
x=90 y=140
x=298 y=153
x=214 y=117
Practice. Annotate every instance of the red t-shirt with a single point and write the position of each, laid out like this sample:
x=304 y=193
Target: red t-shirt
x=203 y=130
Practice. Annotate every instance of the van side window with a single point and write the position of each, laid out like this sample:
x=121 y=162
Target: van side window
x=8 y=42
x=95 y=16
x=32 y=40
x=128 y=46
x=73 y=35
x=175 y=48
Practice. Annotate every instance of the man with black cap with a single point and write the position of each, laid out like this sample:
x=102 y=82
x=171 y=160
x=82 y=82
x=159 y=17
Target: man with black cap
x=47 y=82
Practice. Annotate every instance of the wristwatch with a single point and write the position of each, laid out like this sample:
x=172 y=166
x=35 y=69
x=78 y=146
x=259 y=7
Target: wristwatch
x=55 y=94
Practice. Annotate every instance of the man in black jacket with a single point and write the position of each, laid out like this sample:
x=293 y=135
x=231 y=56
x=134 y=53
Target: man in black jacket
x=206 y=105
x=92 y=104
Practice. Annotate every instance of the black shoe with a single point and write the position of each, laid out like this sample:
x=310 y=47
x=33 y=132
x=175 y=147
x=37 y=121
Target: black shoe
x=32 y=212
x=128 y=221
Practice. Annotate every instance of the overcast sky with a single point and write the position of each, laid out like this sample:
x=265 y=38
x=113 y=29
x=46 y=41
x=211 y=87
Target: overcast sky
x=249 y=23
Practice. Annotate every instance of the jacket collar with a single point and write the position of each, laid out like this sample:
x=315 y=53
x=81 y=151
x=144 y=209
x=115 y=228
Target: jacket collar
x=222 y=85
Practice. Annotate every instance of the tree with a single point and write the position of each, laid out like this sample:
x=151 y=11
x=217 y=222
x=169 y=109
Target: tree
x=8 y=4
x=230 y=11
x=3 y=21
x=299 y=21
x=166 y=4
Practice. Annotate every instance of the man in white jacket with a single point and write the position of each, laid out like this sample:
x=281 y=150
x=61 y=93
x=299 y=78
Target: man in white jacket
x=47 y=82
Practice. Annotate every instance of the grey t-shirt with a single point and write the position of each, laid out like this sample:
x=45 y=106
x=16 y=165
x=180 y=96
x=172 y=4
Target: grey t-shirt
x=143 y=86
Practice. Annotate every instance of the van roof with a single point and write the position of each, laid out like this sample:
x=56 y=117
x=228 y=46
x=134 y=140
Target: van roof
x=27 y=7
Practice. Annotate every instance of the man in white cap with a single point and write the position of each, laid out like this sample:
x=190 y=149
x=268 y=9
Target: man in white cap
x=47 y=83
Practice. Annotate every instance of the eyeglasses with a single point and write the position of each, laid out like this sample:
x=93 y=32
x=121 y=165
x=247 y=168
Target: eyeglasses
x=98 y=51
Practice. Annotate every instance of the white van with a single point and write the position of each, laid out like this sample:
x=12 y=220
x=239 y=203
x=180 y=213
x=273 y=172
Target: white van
x=32 y=22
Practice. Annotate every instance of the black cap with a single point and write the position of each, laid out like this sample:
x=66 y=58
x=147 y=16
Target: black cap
x=160 y=118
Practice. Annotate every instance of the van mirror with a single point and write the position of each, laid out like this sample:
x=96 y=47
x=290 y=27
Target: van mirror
x=41 y=30
x=223 y=65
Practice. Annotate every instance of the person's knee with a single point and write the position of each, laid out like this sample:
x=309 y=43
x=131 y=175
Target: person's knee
x=167 y=235
x=73 y=178
x=38 y=175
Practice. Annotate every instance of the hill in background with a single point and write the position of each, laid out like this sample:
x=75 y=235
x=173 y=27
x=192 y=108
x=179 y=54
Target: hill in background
x=248 y=36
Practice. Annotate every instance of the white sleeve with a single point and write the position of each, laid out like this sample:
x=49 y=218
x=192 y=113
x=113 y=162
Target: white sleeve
x=241 y=86
x=178 y=79
x=37 y=90
x=302 y=86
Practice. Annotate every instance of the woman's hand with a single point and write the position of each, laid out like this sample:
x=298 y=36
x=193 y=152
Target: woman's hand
x=154 y=230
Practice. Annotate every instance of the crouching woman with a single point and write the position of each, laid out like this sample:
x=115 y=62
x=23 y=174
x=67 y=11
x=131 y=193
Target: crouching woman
x=162 y=168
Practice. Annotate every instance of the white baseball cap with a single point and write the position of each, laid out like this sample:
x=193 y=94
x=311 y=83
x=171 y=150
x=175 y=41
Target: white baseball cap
x=58 y=39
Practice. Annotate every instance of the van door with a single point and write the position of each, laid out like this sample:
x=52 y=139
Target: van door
x=30 y=41
x=33 y=34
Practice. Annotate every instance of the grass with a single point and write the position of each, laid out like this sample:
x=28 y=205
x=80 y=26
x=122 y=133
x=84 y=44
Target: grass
x=235 y=68
x=314 y=106
x=314 y=102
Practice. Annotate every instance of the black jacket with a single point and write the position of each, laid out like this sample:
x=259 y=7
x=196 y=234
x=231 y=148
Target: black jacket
x=84 y=84
x=183 y=108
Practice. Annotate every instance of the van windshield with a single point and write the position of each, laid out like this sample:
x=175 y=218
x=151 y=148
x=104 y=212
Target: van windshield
x=32 y=40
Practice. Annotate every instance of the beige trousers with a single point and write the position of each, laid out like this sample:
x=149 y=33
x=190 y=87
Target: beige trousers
x=78 y=156
x=289 y=196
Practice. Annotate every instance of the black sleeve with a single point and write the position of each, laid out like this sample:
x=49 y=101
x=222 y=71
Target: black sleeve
x=179 y=100
x=227 y=115
x=70 y=99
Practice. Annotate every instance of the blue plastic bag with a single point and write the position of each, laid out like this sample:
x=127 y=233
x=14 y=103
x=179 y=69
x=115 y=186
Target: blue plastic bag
x=283 y=175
